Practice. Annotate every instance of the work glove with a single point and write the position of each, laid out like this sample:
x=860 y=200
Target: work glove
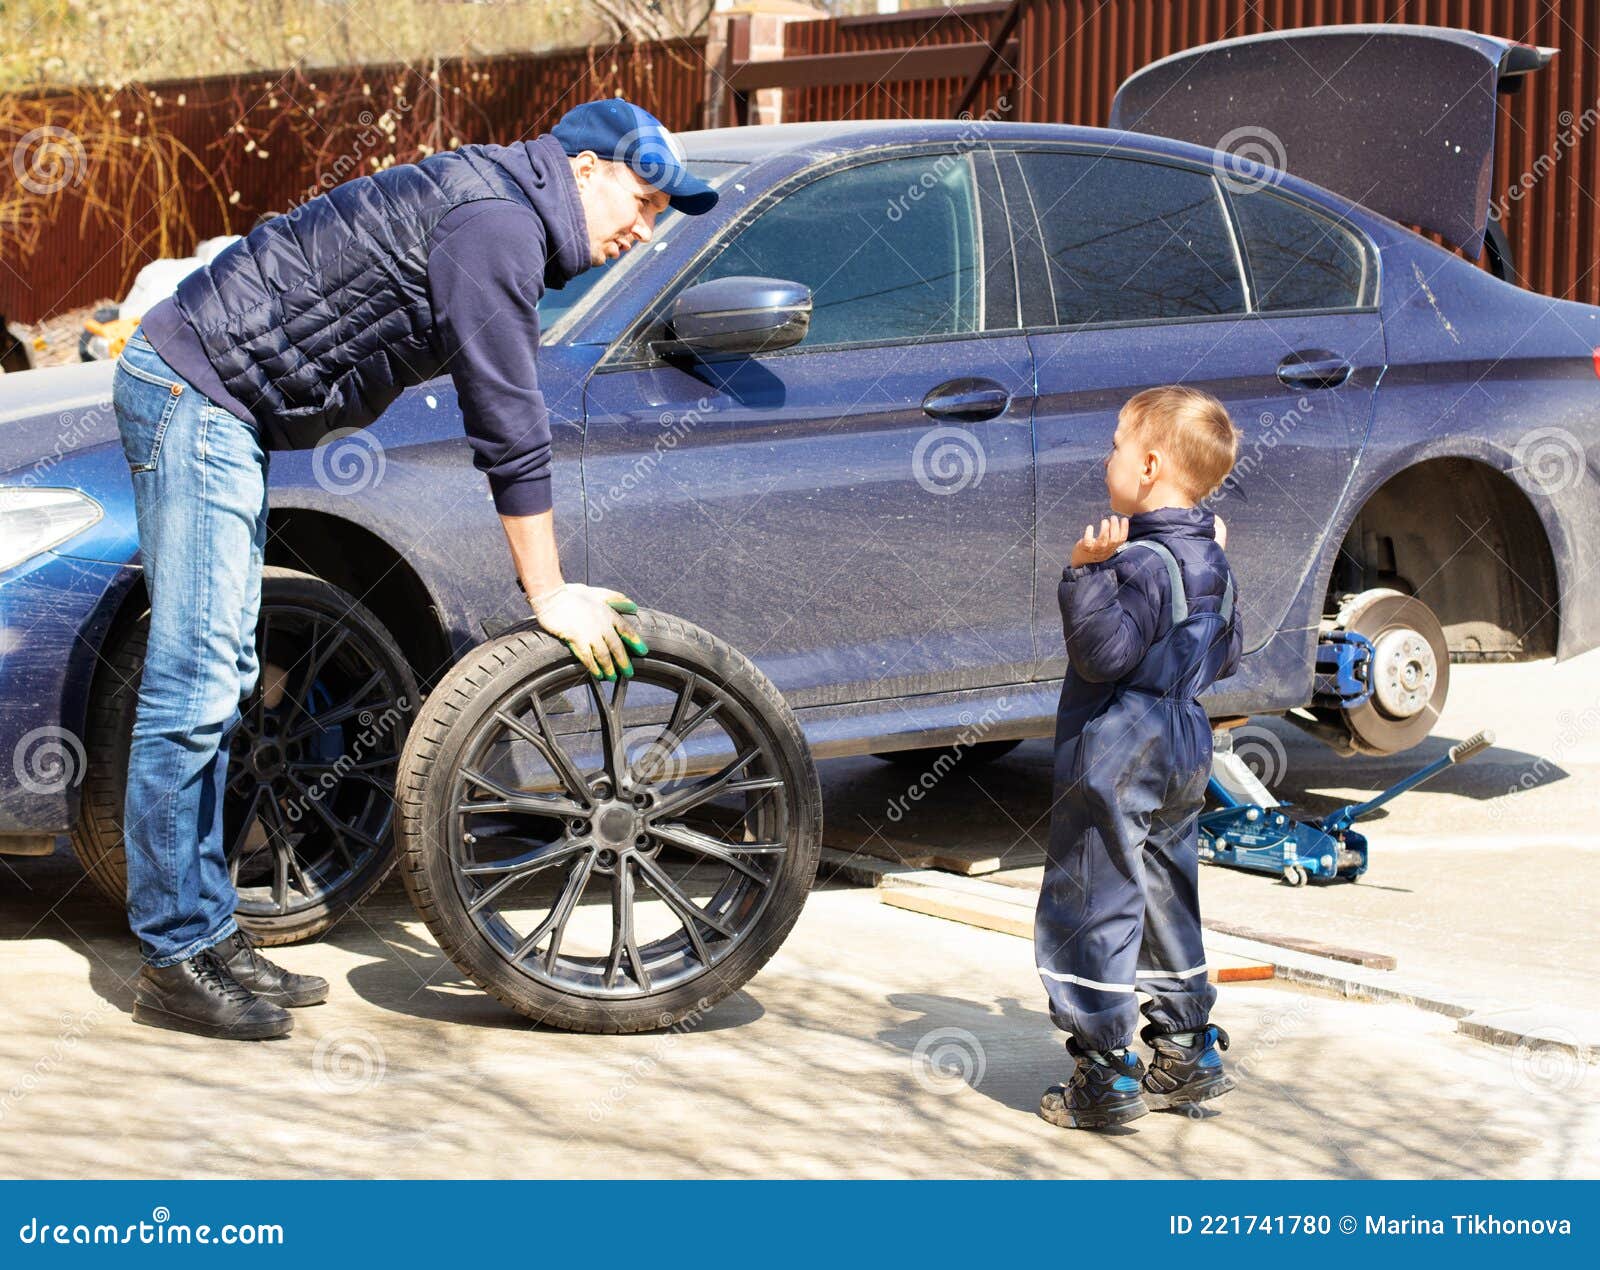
x=586 y=619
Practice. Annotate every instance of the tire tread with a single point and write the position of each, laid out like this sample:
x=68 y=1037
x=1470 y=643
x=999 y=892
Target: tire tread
x=447 y=705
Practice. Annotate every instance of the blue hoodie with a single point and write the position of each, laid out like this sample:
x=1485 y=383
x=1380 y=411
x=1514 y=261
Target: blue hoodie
x=489 y=263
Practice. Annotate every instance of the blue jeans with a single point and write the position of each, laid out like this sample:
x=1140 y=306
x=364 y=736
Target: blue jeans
x=200 y=494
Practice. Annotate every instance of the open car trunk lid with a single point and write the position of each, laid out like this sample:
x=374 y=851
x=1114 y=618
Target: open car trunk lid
x=1397 y=118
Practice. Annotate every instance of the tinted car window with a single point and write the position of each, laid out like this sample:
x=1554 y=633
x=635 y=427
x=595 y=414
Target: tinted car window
x=890 y=250
x=1129 y=241
x=1298 y=259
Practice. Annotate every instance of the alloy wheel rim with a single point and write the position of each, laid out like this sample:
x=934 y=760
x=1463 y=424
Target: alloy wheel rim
x=310 y=790
x=651 y=826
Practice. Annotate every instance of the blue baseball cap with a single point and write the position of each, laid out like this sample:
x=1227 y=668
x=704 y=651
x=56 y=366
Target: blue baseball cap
x=618 y=130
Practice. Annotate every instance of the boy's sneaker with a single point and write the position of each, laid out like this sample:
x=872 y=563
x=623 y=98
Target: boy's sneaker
x=1102 y=1091
x=1181 y=1074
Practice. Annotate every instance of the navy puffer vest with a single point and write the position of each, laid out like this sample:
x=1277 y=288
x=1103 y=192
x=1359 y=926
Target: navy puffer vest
x=320 y=317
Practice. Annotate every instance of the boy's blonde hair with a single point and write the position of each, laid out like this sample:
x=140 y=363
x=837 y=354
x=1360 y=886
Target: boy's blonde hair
x=1192 y=429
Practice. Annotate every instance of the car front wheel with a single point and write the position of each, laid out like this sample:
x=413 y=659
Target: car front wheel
x=309 y=810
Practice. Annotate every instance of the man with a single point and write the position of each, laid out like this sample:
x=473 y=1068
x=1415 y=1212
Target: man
x=315 y=321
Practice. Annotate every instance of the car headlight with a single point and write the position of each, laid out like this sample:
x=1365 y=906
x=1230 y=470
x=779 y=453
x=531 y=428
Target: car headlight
x=34 y=520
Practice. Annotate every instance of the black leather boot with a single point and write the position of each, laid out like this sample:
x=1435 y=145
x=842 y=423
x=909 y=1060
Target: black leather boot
x=200 y=996
x=267 y=980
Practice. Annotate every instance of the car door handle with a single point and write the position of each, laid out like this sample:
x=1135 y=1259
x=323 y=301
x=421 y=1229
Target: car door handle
x=967 y=400
x=1313 y=368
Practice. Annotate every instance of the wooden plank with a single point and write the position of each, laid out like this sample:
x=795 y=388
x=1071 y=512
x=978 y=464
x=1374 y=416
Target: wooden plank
x=1006 y=878
x=1000 y=914
x=970 y=910
x=1299 y=943
x=874 y=66
x=1355 y=956
x=1232 y=968
x=853 y=841
x=868 y=870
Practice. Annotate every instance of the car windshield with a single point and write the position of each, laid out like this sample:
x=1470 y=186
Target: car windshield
x=557 y=305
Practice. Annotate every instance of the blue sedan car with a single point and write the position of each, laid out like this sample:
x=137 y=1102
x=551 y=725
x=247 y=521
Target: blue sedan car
x=875 y=507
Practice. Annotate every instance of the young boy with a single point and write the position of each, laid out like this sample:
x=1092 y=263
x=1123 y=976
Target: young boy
x=1148 y=609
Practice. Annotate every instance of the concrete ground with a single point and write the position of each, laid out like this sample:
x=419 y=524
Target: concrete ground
x=1485 y=879
x=877 y=1042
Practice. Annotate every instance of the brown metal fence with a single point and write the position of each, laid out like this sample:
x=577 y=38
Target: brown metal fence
x=926 y=99
x=1071 y=54
x=77 y=260
x=1074 y=53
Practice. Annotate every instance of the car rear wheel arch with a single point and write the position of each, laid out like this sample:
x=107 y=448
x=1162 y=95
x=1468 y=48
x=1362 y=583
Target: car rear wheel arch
x=1443 y=530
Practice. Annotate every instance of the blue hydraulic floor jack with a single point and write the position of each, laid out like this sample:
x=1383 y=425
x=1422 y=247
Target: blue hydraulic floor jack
x=1253 y=830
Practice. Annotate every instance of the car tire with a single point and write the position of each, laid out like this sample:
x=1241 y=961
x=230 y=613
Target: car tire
x=520 y=712
x=977 y=754
x=331 y=872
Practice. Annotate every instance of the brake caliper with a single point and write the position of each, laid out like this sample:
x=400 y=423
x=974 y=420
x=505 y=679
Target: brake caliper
x=1344 y=669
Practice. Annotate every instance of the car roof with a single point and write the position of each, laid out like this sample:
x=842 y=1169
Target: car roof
x=830 y=137
x=815 y=142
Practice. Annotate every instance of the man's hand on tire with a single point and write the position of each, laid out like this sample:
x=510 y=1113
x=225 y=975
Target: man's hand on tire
x=588 y=619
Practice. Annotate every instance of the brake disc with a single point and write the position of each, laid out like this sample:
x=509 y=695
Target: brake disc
x=1409 y=672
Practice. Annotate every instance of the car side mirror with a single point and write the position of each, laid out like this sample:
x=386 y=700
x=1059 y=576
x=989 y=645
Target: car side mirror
x=738 y=315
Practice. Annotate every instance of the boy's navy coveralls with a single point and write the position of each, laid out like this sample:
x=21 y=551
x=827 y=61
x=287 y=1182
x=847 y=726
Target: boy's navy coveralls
x=1120 y=907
